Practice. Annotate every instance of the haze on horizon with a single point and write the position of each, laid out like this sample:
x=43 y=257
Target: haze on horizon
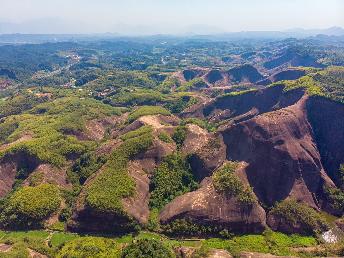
x=167 y=16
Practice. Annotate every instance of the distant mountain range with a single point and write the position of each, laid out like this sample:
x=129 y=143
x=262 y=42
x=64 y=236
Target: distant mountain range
x=54 y=30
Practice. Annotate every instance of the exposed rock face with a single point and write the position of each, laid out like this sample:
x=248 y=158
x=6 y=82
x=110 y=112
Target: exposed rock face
x=340 y=224
x=8 y=170
x=207 y=207
x=85 y=219
x=192 y=74
x=245 y=73
x=220 y=78
x=9 y=166
x=214 y=76
x=239 y=108
x=208 y=158
x=326 y=117
x=277 y=223
x=196 y=137
x=282 y=156
x=137 y=206
x=207 y=151
x=289 y=74
x=292 y=58
x=46 y=173
x=154 y=155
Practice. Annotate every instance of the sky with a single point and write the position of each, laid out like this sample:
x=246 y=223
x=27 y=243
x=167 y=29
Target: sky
x=167 y=16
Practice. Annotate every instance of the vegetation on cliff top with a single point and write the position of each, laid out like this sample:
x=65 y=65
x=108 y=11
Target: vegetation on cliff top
x=226 y=182
x=105 y=192
x=29 y=206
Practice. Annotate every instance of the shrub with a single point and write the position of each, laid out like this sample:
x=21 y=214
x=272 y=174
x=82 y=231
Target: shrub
x=186 y=227
x=50 y=122
x=153 y=220
x=293 y=212
x=6 y=129
x=201 y=252
x=177 y=103
x=147 y=110
x=201 y=123
x=306 y=82
x=132 y=134
x=90 y=247
x=173 y=177
x=17 y=104
x=86 y=165
x=341 y=175
x=29 y=206
x=165 y=137
x=179 y=135
x=335 y=198
x=105 y=193
x=147 y=248
x=225 y=181
x=194 y=84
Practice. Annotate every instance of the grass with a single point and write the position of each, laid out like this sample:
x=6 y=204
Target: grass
x=20 y=235
x=21 y=240
x=58 y=239
x=90 y=247
x=68 y=243
x=269 y=242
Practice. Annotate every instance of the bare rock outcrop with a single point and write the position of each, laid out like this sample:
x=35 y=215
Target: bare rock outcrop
x=326 y=118
x=196 y=138
x=135 y=208
x=241 y=107
x=10 y=164
x=137 y=205
x=260 y=255
x=209 y=157
x=283 y=158
x=206 y=206
x=46 y=173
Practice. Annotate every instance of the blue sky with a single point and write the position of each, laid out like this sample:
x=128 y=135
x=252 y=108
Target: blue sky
x=171 y=16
